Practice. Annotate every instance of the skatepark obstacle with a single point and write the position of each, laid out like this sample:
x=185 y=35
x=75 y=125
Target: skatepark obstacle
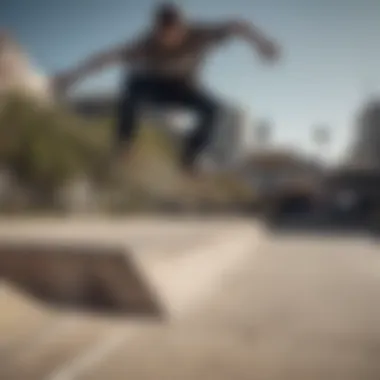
x=81 y=276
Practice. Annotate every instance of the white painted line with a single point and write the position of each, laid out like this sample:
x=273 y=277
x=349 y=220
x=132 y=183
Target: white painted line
x=90 y=358
x=32 y=340
x=185 y=281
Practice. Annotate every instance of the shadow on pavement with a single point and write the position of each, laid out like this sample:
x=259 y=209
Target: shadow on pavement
x=93 y=279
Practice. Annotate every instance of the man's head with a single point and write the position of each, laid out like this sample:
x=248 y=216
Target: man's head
x=169 y=23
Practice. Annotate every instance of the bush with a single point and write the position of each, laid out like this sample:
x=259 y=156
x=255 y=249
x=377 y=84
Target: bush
x=46 y=148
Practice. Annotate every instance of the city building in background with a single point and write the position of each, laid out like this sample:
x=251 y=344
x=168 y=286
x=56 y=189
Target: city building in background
x=276 y=169
x=366 y=145
x=232 y=137
x=17 y=74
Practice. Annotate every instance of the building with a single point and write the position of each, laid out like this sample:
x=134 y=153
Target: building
x=230 y=145
x=366 y=147
x=17 y=74
x=275 y=170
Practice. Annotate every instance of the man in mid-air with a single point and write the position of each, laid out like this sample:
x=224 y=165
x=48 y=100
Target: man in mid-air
x=165 y=62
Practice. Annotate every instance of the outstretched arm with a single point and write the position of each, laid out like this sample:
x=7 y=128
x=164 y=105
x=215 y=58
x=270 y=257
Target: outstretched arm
x=96 y=62
x=248 y=32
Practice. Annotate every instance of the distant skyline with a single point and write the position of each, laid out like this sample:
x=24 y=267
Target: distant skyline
x=331 y=55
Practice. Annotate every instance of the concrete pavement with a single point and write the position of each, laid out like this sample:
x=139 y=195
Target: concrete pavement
x=245 y=304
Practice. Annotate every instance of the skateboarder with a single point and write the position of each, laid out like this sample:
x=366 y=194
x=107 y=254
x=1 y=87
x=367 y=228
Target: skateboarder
x=164 y=64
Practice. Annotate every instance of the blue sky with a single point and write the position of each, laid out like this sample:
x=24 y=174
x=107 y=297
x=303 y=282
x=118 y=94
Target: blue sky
x=331 y=54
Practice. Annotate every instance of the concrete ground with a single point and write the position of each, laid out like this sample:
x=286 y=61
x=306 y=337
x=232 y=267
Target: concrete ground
x=244 y=303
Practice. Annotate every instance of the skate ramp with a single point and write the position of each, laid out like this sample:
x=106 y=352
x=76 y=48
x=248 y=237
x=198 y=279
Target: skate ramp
x=185 y=261
x=81 y=276
x=121 y=267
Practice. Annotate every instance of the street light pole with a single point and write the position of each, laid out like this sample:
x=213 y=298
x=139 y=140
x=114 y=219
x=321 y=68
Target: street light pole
x=263 y=134
x=321 y=137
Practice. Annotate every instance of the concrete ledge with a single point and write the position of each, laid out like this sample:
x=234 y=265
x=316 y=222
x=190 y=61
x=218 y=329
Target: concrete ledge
x=100 y=279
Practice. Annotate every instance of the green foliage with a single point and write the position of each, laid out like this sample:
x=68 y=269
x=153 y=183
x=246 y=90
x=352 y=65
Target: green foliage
x=46 y=147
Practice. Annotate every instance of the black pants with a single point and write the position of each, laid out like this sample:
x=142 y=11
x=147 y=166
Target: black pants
x=167 y=92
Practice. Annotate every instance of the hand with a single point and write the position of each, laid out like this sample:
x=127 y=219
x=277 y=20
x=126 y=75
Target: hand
x=269 y=50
